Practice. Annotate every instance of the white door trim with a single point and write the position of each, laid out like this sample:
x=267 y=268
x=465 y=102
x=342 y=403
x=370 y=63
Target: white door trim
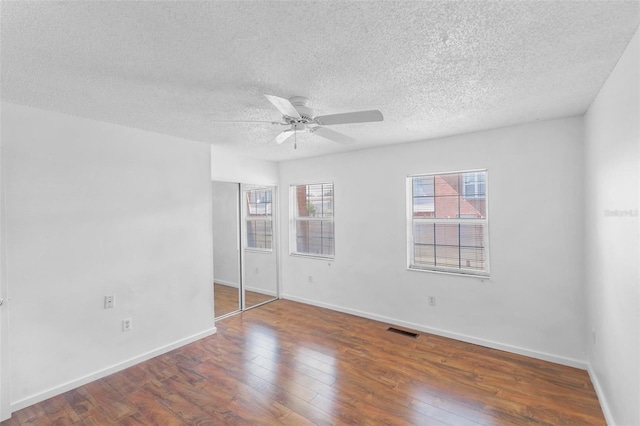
x=5 y=402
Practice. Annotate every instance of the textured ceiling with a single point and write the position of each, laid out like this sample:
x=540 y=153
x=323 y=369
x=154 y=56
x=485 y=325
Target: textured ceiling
x=432 y=68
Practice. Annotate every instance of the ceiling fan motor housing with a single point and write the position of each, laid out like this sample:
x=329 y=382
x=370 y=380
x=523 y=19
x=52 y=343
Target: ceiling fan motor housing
x=302 y=106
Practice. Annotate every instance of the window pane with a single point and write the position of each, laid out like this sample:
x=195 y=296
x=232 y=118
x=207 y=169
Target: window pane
x=474 y=184
x=424 y=255
x=258 y=202
x=302 y=209
x=447 y=207
x=315 y=237
x=472 y=235
x=448 y=256
x=447 y=238
x=446 y=234
x=423 y=186
x=447 y=184
x=423 y=196
x=423 y=233
x=314 y=200
x=471 y=208
x=259 y=234
x=258 y=218
x=472 y=258
x=423 y=207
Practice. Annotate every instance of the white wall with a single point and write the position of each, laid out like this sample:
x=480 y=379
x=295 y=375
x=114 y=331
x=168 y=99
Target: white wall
x=226 y=248
x=533 y=303
x=260 y=272
x=230 y=167
x=612 y=256
x=94 y=209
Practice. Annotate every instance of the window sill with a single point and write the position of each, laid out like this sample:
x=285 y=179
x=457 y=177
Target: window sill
x=312 y=256
x=257 y=250
x=480 y=277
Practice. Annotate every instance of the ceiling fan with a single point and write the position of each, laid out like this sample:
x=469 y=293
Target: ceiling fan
x=300 y=117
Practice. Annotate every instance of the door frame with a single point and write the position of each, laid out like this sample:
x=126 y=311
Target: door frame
x=5 y=400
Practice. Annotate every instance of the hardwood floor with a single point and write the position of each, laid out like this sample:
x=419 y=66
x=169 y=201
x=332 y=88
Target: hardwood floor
x=226 y=299
x=289 y=363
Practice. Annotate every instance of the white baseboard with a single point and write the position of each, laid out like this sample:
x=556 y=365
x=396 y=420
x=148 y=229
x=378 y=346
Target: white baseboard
x=456 y=336
x=254 y=289
x=227 y=283
x=262 y=291
x=603 y=400
x=18 y=405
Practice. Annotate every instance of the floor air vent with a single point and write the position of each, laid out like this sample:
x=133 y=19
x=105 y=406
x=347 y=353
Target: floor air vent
x=403 y=332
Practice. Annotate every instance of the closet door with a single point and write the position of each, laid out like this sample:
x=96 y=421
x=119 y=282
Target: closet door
x=259 y=245
x=227 y=280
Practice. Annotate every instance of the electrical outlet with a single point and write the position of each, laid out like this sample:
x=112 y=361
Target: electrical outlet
x=310 y=279
x=127 y=324
x=256 y=271
x=109 y=302
x=593 y=334
x=432 y=300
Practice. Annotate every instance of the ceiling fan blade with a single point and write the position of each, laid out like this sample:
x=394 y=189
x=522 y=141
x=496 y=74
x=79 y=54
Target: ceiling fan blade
x=332 y=135
x=246 y=121
x=350 y=117
x=284 y=106
x=283 y=136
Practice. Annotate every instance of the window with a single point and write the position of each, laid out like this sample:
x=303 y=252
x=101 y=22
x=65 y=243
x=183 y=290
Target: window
x=258 y=218
x=312 y=220
x=448 y=225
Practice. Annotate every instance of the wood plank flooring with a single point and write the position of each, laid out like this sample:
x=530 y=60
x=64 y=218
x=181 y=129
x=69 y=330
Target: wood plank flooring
x=294 y=364
x=226 y=299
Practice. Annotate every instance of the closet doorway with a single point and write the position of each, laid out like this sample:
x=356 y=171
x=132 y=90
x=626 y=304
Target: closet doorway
x=245 y=261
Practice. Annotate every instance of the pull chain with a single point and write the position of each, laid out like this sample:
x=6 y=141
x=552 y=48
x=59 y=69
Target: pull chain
x=295 y=139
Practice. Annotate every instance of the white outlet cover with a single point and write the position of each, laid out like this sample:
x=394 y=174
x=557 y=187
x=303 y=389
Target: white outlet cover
x=109 y=302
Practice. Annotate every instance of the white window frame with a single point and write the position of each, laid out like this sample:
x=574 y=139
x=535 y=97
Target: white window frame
x=248 y=218
x=410 y=221
x=294 y=219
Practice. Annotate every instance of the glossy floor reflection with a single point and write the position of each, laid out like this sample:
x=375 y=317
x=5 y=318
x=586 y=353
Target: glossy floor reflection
x=289 y=363
x=226 y=299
